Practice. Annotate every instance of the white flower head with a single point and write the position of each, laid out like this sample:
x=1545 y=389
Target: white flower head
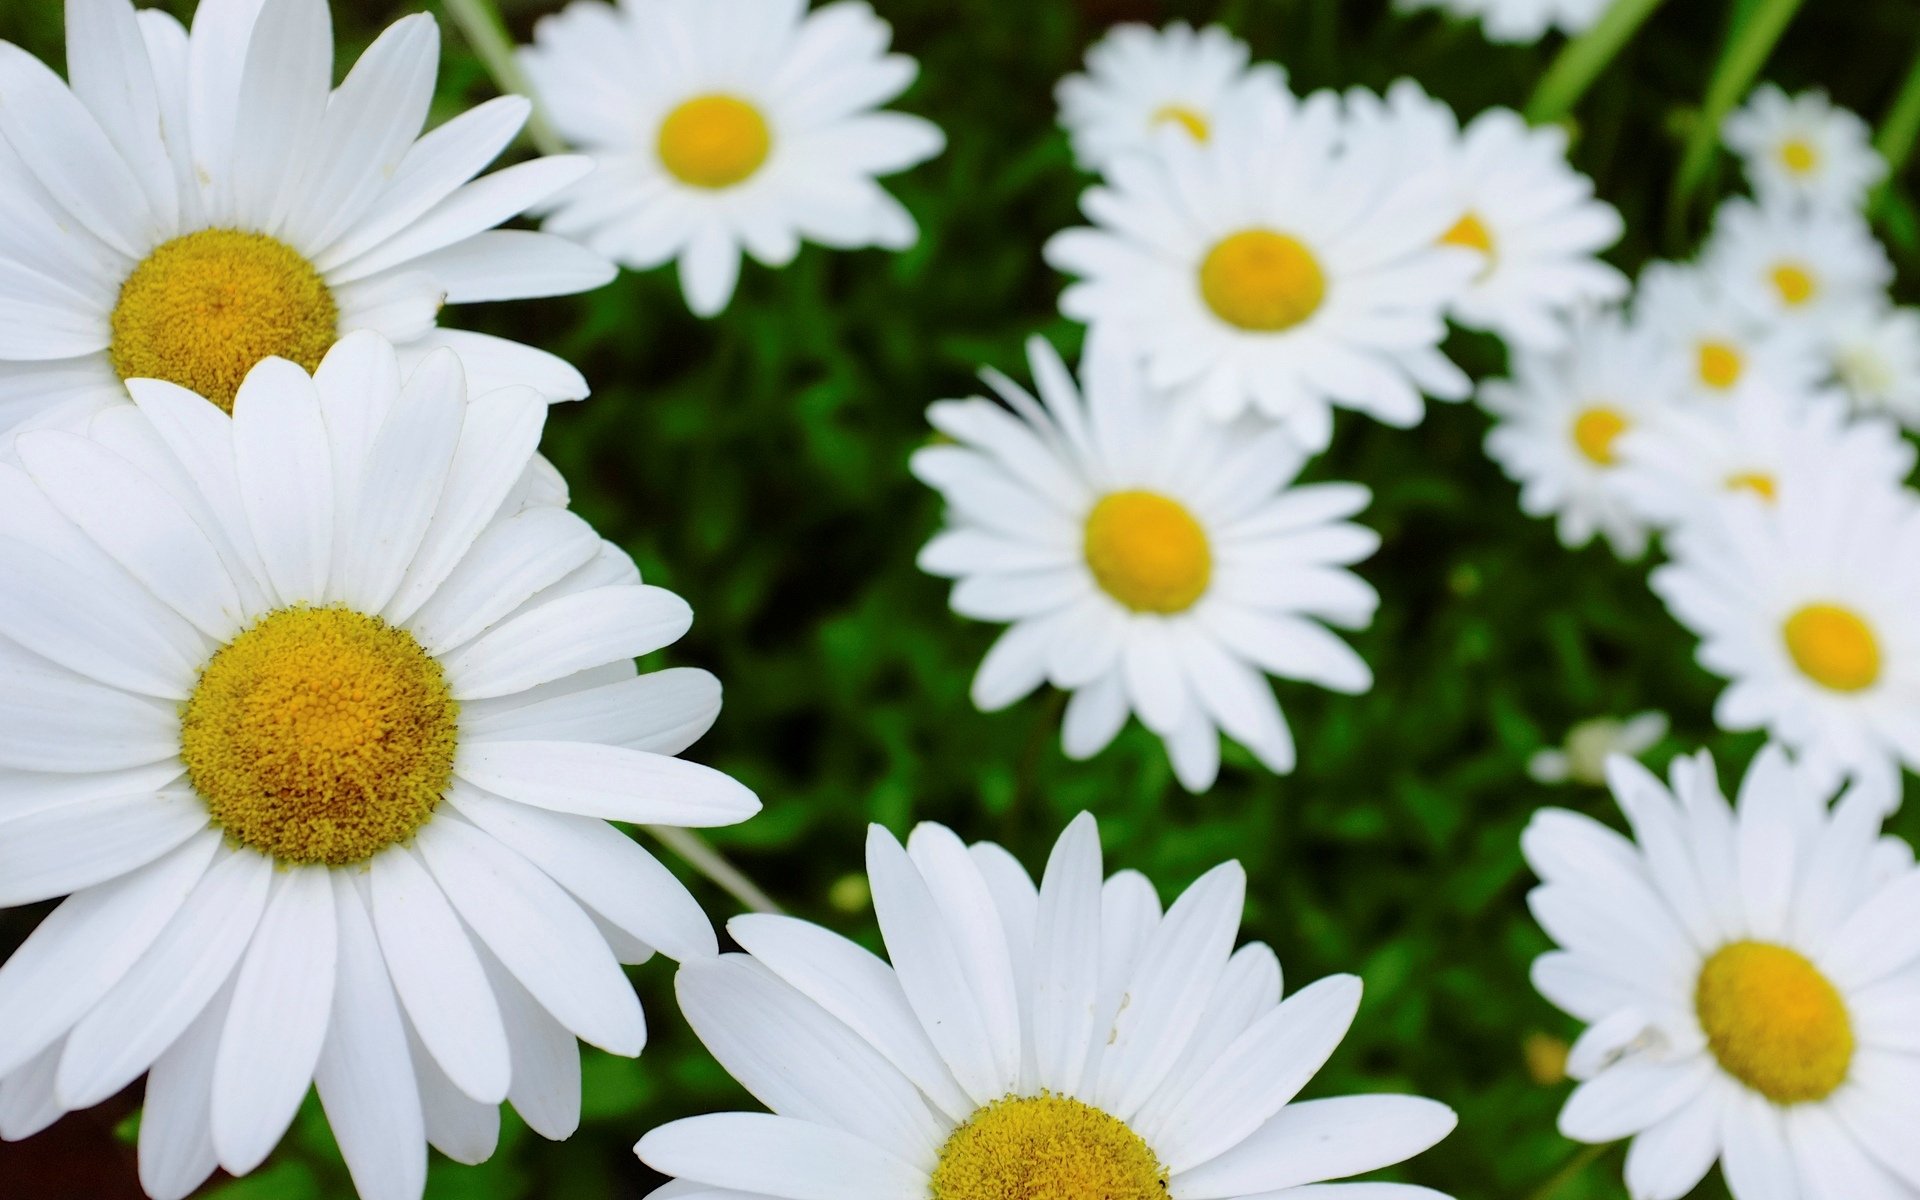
x=1064 y=1039
x=1791 y=266
x=1874 y=349
x=1145 y=559
x=728 y=126
x=1519 y=21
x=1592 y=742
x=1805 y=148
x=319 y=721
x=1721 y=348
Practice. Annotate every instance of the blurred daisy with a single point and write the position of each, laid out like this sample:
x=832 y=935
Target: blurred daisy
x=1140 y=80
x=1875 y=352
x=192 y=205
x=1066 y=1040
x=1792 y=267
x=1146 y=560
x=1269 y=270
x=321 y=727
x=1519 y=20
x=1519 y=205
x=1746 y=975
x=1559 y=423
x=1811 y=611
x=1721 y=347
x=1591 y=743
x=724 y=126
x=1805 y=148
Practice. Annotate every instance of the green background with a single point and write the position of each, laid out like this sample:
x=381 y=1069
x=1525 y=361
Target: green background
x=756 y=465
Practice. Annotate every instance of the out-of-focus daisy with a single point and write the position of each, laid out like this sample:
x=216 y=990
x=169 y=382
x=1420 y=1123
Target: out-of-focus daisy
x=1805 y=148
x=191 y=205
x=1793 y=267
x=728 y=126
x=1140 y=80
x=1811 y=612
x=1591 y=743
x=1746 y=975
x=1147 y=560
x=1519 y=20
x=1270 y=270
x=1560 y=420
x=321 y=726
x=1518 y=204
x=1875 y=353
x=1722 y=348
x=1066 y=1040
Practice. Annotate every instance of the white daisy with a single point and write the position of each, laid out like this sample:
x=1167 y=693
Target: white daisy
x=1811 y=611
x=1140 y=80
x=1874 y=348
x=1793 y=267
x=1519 y=20
x=1746 y=974
x=1720 y=345
x=1066 y=1040
x=1805 y=148
x=1592 y=742
x=728 y=125
x=1280 y=267
x=1146 y=560
x=320 y=725
x=191 y=205
x=1560 y=420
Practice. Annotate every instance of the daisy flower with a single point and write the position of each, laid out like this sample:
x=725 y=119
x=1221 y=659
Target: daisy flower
x=1140 y=80
x=1591 y=743
x=1517 y=203
x=1720 y=346
x=188 y=205
x=1280 y=267
x=1517 y=21
x=321 y=725
x=1559 y=423
x=1793 y=267
x=1875 y=352
x=1146 y=560
x=1808 y=610
x=1067 y=1040
x=1746 y=975
x=1805 y=148
x=724 y=126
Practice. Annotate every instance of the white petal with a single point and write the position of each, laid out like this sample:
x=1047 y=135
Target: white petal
x=611 y=782
x=546 y=1059
x=663 y=712
x=1321 y=1139
x=1066 y=955
x=510 y=562
x=286 y=478
x=557 y=638
x=60 y=850
x=776 y=1156
x=176 y=1138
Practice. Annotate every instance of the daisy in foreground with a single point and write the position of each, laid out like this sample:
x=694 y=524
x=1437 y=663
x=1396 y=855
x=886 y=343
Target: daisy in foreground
x=1746 y=974
x=321 y=725
x=724 y=126
x=1067 y=1042
x=187 y=206
x=1805 y=148
x=1147 y=560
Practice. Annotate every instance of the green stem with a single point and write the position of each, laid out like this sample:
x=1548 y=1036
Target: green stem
x=1901 y=127
x=1747 y=51
x=1571 y=1171
x=703 y=858
x=1585 y=58
x=479 y=22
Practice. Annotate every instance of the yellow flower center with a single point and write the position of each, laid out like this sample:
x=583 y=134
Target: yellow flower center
x=1799 y=156
x=320 y=735
x=714 y=141
x=1046 y=1148
x=1834 y=647
x=1186 y=118
x=1148 y=552
x=1759 y=483
x=1720 y=364
x=1775 y=1022
x=205 y=309
x=1596 y=430
x=1470 y=231
x=1795 y=283
x=1262 y=281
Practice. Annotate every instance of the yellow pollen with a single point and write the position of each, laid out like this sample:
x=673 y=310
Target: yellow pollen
x=1721 y=365
x=1795 y=283
x=1046 y=1147
x=203 y=310
x=714 y=141
x=320 y=735
x=1799 y=156
x=1186 y=118
x=1596 y=430
x=1470 y=231
x=1262 y=281
x=1834 y=647
x=1759 y=483
x=1775 y=1022
x=1148 y=552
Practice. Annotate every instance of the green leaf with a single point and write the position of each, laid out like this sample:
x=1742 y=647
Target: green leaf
x=1750 y=44
x=1586 y=58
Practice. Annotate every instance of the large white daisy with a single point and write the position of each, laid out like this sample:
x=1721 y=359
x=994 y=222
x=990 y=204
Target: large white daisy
x=320 y=724
x=1746 y=974
x=1280 y=267
x=1519 y=20
x=186 y=206
x=724 y=126
x=1067 y=1041
x=1140 y=80
x=1720 y=346
x=1794 y=267
x=1805 y=148
x=1145 y=559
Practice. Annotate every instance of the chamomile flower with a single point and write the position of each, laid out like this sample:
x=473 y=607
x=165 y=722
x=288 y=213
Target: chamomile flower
x=1746 y=975
x=1281 y=267
x=1146 y=560
x=1140 y=80
x=189 y=205
x=320 y=725
x=1805 y=148
x=1067 y=1040
x=1720 y=346
x=724 y=126
x=1793 y=267
x=1519 y=20
x=1811 y=612
x=1560 y=421
x=1875 y=351
x=1591 y=743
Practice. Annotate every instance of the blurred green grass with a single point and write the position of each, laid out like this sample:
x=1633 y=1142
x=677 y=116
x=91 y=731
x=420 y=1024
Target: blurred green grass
x=755 y=464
